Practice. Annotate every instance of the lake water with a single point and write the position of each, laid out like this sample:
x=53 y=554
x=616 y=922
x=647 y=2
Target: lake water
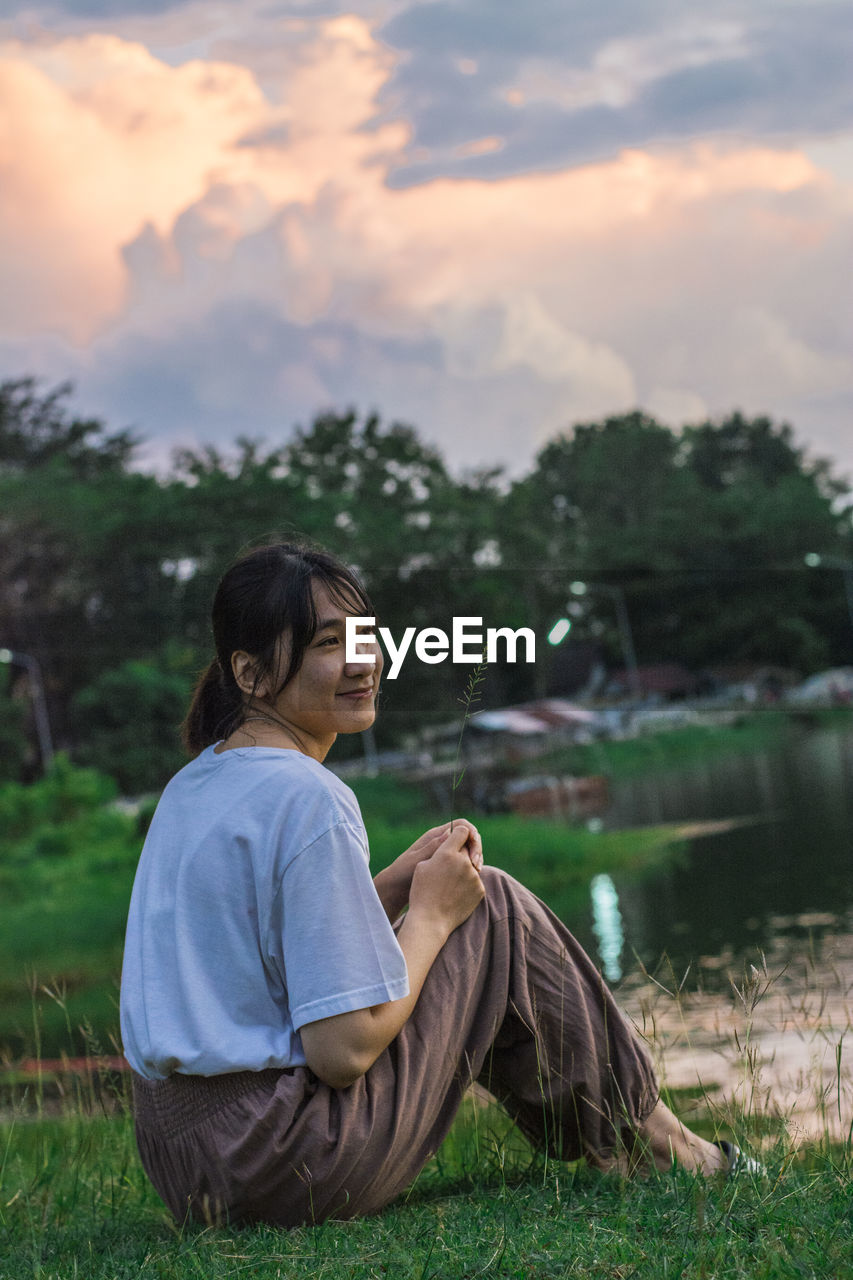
x=786 y=873
x=775 y=893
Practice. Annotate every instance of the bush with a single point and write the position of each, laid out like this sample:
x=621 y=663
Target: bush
x=127 y=724
x=67 y=859
x=49 y=816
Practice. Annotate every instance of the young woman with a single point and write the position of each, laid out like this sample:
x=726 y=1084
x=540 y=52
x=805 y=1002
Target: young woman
x=296 y=1054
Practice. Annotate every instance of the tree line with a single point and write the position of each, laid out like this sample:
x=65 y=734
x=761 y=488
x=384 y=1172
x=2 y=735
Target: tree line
x=107 y=572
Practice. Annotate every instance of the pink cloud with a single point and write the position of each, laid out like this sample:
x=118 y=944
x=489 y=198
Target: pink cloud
x=103 y=138
x=136 y=197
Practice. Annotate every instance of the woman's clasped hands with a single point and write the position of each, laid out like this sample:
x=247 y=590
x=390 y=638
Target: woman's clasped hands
x=459 y=852
x=427 y=844
x=446 y=884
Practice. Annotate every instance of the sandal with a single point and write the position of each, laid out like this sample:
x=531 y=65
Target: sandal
x=737 y=1161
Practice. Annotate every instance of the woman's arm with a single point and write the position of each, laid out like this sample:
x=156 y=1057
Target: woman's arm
x=445 y=889
x=394 y=883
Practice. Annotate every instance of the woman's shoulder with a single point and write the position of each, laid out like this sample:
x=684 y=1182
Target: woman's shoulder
x=266 y=798
x=277 y=779
x=330 y=793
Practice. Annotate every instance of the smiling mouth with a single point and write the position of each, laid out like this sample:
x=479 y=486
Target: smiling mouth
x=357 y=693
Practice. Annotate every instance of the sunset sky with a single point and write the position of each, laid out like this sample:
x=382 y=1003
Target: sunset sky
x=488 y=218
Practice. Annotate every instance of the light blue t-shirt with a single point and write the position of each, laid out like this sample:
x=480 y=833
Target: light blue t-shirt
x=253 y=913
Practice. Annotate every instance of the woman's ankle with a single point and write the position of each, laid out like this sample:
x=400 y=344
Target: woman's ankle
x=663 y=1140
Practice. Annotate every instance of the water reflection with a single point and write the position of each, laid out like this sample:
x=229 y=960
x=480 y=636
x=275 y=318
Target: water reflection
x=607 y=926
x=730 y=893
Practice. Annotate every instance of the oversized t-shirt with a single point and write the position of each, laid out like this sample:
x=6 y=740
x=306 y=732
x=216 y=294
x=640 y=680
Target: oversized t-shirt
x=253 y=913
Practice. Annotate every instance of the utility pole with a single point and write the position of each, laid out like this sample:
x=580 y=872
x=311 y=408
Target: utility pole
x=42 y=721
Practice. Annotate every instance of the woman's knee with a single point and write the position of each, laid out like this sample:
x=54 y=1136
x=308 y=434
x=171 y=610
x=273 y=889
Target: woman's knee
x=505 y=895
x=498 y=881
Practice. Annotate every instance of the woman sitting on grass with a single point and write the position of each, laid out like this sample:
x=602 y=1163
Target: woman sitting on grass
x=296 y=1056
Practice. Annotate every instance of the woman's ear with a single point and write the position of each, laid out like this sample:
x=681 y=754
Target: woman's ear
x=244 y=669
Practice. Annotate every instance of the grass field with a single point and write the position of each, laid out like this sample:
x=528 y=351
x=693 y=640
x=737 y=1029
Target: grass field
x=74 y=1202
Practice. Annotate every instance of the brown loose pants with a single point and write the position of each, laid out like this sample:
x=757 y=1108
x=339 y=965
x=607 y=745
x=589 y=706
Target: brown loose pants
x=512 y=1001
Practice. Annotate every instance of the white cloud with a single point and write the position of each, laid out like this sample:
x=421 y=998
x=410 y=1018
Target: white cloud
x=676 y=406
x=593 y=371
x=222 y=245
x=621 y=68
x=765 y=351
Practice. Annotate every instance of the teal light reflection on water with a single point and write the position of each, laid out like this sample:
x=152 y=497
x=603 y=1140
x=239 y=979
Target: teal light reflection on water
x=607 y=926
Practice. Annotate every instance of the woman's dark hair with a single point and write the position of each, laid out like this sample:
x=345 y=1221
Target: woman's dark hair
x=265 y=592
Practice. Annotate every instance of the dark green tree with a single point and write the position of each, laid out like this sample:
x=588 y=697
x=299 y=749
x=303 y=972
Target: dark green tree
x=104 y=569
x=36 y=428
x=83 y=542
x=704 y=530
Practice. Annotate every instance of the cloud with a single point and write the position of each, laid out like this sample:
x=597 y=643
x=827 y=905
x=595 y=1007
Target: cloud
x=676 y=406
x=217 y=247
x=114 y=8
x=500 y=28
x=762 y=348
x=566 y=83
x=533 y=337
x=490 y=88
x=105 y=138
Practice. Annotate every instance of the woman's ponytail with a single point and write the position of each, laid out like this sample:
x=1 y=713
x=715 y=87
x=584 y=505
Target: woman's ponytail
x=217 y=703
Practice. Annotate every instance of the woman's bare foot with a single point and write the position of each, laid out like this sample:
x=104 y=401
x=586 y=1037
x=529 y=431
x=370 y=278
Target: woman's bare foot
x=662 y=1139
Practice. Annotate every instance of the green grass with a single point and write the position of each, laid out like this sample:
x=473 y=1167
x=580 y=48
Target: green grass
x=74 y=1202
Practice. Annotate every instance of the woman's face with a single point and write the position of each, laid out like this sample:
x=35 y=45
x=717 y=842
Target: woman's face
x=329 y=695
